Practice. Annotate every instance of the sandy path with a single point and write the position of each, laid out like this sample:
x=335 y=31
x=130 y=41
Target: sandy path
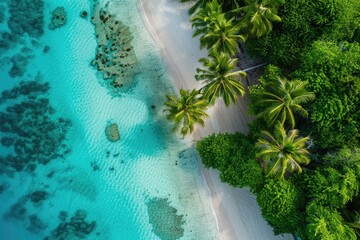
x=237 y=212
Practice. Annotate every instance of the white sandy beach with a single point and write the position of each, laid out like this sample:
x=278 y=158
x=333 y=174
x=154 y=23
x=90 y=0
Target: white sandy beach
x=236 y=210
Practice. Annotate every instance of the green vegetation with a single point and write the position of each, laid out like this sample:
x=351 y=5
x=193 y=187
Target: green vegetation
x=332 y=70
x=312 y=82
x=304 y=22
x=205 y=17
x=233 y=155
x=326 y=223
x=217 y=23
x=220 y=79
x=186 y=110
x=278 y=99
x=283 y=152
x=281 y=203
x=221 y=35
x=258 y=16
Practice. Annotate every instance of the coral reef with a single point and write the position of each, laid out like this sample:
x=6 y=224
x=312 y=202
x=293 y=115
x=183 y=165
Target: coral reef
x=38 y=196
x=19 y=63
x=76 y=228
x=115 y=56
x=112 y=132
x=31 y=128
x=58 y=18
x=26 y=16
x=7 y=40
x=167 y=225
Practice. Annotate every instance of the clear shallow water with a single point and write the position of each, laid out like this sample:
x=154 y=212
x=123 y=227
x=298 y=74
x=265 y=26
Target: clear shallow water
x=112 y=182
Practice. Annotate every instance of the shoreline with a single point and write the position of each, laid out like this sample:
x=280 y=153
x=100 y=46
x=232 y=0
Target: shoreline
x=236 y=211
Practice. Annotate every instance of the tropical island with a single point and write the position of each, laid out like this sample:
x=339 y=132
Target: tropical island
x=262 y=95
x=300 y=155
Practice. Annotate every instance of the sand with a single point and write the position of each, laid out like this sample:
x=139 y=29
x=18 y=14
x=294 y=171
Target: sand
x=236 y=210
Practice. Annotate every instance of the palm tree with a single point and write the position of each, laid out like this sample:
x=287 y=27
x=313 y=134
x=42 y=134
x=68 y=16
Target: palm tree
x=220 y=79
x=281 y=98
x=186 y=110
x=198 y=4
x=258 y=16
x=354 y=223
x=201 y=4
x=205 y=17
x=283 y=151
x=222 y=35
x=351 y=213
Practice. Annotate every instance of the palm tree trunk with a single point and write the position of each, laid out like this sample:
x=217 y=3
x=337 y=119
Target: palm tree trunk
x=254 y=67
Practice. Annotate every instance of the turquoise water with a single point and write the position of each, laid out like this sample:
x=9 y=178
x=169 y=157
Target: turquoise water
x=112 y=183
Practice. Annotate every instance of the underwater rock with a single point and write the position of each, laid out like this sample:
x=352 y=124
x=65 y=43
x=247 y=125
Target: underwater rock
x=3 y=187
x=115 y=57
x=46 y=49
x=36 y=224
x=79 y=216
x=95 y=166
x=16 y=211
x=38 y=196
x=35 y=43
x=19 y=62
x=112 y=132
x=26 y=16
x=77 y=226
x=84 y=14
x=63 y=216
x=8 y=40
x=58 y=18
x=26 y=50
x=167 y=224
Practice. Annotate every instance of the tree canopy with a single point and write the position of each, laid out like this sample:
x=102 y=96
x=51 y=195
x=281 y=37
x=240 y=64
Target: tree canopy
x=220 y=78
x=333 y=72
x=234 y=156
x=280 y=99
x=258 y=16
x=280 y=202
x=284 y=151
x=186 y=111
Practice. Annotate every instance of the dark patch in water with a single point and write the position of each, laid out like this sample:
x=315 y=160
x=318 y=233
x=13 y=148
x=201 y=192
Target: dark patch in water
x=77 y=226
x=167 y=224
x=19 y=63
x=50 y=174
x=26 y=16
x=95 y=166
x=17 y=211
x=3 y=187
x=36 y=225
x=38 y=196
x=30 y=128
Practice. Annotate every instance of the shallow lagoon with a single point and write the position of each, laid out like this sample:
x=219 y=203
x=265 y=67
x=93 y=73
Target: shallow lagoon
x=112 y=184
